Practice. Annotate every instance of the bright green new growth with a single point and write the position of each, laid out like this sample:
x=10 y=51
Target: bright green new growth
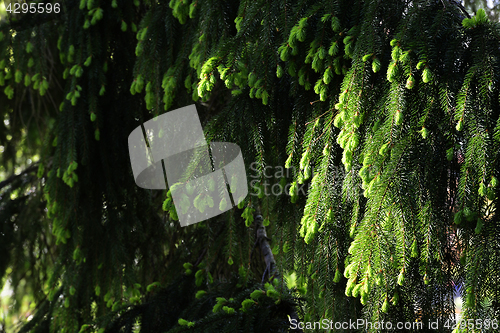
x=384 y=114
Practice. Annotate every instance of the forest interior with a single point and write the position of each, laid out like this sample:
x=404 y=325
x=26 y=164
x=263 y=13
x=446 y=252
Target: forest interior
x=368 y=131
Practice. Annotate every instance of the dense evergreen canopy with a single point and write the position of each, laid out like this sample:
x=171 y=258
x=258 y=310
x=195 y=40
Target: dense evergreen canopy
x=370 y=132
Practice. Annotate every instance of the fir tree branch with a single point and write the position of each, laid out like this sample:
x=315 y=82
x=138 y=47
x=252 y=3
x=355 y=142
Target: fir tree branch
x=262 y=240
x=267 y=253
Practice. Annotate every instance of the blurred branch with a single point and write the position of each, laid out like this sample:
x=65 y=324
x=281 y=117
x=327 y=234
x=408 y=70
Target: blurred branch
x=12 y=178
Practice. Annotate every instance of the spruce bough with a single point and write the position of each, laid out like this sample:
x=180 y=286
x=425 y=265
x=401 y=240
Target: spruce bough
x=386 y=117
